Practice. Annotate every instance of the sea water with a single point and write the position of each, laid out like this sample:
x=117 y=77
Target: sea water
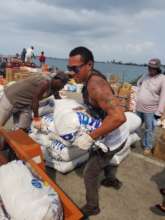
x=125 y=72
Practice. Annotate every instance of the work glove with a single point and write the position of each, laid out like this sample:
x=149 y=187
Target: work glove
x=83 y=141
x=102 y=146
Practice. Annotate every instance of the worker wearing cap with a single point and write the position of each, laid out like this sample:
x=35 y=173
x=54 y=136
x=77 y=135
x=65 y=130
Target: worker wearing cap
x=22 y=97
x=150 y=103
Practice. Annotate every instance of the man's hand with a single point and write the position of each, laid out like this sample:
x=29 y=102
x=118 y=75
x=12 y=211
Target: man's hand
x=84 y=141
x=37 y=122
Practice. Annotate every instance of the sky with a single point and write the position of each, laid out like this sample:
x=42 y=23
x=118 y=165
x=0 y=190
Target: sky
x=126 y=30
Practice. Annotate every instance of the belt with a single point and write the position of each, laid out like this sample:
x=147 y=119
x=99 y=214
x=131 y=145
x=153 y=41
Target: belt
x=120 y=147
x=99 y=150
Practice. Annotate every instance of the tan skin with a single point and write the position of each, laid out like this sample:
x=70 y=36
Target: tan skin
x=3 y=159
x=152 y=71
x=100 y=94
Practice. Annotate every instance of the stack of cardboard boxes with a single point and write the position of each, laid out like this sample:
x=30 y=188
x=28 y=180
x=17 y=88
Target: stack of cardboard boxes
x=124 y=96
x=16 y=73
x=121 y=91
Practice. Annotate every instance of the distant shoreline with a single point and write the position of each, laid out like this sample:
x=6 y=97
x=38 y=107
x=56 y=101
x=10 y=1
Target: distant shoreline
x=105 y=62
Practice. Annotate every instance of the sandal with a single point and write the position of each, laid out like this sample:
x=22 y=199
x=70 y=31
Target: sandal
x=162 y=191
x=158 y=210
x=160 y=207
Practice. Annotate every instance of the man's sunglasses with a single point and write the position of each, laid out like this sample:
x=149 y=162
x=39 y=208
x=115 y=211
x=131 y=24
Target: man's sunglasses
x=75 y=69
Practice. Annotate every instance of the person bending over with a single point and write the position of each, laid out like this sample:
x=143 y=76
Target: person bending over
x=22 y=98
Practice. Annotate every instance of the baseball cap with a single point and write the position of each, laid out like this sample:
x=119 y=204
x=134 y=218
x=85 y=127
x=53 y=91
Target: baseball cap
x=154 y=63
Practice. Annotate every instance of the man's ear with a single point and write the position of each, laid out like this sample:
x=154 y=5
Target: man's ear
x=90 y=63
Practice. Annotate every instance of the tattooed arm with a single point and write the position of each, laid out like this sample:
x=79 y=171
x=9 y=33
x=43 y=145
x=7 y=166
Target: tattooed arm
x=101 y=95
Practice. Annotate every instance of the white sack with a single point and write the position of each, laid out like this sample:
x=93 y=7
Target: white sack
x=65 y=105
x=42 y=139
x=121 y=155
x=59 y=151
x=46 y=106
x=3 y=213
x=63 y=166
x=47 y=125
x=45 y=110
x=26 y=197
x=133 y=121
x=69 y=124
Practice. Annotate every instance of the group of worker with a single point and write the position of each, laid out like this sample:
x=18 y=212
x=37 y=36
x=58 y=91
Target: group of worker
x=27 y=56
x=21 y=99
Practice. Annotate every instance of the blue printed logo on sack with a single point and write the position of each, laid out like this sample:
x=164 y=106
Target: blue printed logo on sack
x=51 y=103
x=48 y=118
x=88 y=122
x=56 y=144
x=36 y=183
x=69 y=137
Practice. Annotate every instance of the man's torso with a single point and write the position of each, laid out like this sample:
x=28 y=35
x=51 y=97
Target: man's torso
x=148 y=93
x=115 y=138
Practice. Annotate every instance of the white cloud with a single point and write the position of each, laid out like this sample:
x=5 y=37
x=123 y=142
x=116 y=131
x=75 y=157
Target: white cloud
x=125 y=30
x=140 y=48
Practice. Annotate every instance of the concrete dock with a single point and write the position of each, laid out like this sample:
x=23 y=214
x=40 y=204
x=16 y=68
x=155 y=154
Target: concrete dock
x=141 y=176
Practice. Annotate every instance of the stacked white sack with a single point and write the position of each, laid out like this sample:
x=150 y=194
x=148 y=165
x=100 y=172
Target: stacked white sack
x=70 y=156
x=67 y=124
x=46 y=106
x=71 y=124
x=65 y=166
x=25 y=196
x=133 y=123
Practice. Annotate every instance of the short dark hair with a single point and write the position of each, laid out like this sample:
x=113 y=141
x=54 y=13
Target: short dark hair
x=61 y=76
x=84 y=52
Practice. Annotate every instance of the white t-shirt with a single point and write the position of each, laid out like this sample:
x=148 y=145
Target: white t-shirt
x=29 y=53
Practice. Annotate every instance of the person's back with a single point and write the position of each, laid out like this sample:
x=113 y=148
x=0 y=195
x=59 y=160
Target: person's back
x=22 y=98
x=21 y=92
